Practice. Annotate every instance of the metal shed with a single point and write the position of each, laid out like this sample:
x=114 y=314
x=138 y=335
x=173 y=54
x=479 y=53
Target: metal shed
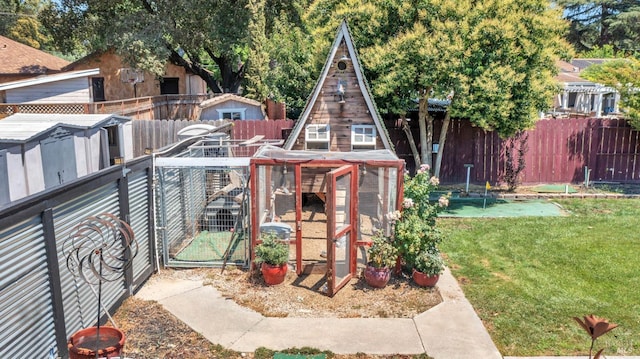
x=40 y=151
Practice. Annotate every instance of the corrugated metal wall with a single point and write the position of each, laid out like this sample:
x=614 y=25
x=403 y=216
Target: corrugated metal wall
x=140 y=214
x=171 y=222
x=26 y=317
x=81 y=305
x=41 y=302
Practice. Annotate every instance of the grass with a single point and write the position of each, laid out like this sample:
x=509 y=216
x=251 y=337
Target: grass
x=528 y=276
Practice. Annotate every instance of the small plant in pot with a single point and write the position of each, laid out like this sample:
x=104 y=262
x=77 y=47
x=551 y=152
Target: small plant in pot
x=382 y=256
x=272 y=255
x=427 y=267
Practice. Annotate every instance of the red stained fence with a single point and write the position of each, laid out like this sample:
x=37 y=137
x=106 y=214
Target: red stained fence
x=558 y=152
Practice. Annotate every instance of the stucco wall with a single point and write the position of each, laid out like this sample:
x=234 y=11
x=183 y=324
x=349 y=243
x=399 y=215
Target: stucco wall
x=114 y=89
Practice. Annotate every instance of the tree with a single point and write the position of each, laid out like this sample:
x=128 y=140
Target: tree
x=494 y=60
x=210 y=39
x=624 y=76
x=18 y=21
x=603 y=22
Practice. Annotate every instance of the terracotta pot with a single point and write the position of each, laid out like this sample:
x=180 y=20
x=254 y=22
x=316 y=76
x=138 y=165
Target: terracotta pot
x=377 y=277
x=273 y=274
x=424 y=280
x=83 y=343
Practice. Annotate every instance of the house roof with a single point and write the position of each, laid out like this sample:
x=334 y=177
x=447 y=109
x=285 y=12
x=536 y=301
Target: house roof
x=43 y=79
x=22 y=127
x=20 y=59
x=228 y=97
x=342 y=34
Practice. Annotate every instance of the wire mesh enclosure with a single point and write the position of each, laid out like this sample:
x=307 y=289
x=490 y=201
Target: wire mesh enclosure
x=332 y=201
x=202 y=201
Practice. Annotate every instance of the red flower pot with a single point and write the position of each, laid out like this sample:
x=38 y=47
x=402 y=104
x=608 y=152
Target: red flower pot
x=83 y=343
x=377 y=277
x=424 y=280
x=273 y=274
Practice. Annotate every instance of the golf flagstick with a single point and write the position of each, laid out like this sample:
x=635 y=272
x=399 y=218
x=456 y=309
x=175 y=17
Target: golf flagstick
x=487 y=187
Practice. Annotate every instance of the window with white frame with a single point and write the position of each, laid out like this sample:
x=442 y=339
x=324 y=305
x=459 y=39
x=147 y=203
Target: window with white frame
x=231 y=113
x=317 y=136
x=363 y=137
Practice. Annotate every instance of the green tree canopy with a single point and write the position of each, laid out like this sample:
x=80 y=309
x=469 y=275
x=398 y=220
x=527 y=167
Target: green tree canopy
x=210 y=39
x=18 y=21
x=495 y=59
x=603 y=22
x=624 y=76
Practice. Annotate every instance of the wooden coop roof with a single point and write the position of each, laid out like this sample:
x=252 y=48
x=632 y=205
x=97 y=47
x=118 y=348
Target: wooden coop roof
x=342 y=34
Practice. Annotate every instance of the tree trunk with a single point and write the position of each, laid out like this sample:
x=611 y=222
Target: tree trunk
x=441 y=141
x=412 y=143
x=426 y=127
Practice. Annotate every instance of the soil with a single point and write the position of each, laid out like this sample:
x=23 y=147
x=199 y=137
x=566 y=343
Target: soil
x=152 y=332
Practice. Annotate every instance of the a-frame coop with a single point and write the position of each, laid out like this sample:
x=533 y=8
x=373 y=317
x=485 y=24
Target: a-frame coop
x=336 y=178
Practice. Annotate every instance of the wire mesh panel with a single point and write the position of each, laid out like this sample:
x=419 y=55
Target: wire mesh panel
x=203 y=213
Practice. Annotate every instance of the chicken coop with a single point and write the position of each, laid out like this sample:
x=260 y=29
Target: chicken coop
x=202 y=201
x=333 y=202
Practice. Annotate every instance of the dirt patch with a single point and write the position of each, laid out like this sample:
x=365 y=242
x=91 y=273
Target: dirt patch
x=303 y=296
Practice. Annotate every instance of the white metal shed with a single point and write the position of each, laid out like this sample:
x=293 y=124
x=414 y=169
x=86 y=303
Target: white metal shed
x=67 y=87
x=40 y=151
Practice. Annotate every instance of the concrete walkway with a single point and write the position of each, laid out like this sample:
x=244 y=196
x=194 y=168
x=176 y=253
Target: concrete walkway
x=450 y=330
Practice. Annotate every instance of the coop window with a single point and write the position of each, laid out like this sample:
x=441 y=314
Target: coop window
x=363 y=137
x=317 y=137
x=231 y=113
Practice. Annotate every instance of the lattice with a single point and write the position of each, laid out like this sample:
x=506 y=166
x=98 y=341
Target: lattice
x=52 y=108
x=6 y=110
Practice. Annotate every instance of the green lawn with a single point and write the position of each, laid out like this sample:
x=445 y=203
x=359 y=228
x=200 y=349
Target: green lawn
x=527 y=277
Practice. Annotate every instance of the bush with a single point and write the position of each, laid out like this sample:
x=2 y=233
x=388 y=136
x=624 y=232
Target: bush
x=415 y=230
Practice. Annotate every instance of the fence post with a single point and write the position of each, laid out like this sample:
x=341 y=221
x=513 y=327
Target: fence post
x=123 y=201
x=55 y=285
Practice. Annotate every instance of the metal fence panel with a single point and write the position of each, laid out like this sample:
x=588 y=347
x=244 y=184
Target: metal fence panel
x=139 y=213
x=80 y=300
x=171 y=223
x=27 y=323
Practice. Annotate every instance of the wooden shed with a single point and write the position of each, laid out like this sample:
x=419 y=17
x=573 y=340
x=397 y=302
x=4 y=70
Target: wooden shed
x=340 y=114
x=231 y=107
x=41 y=151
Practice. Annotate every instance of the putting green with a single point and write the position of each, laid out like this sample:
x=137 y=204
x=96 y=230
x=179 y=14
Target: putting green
x=477 y=207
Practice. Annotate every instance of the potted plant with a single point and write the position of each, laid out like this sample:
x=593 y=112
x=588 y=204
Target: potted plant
x=272 y=255
x=427 y=268
x=382 y=256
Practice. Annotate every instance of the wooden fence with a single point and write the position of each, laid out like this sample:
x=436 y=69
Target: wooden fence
x=156 y=134
x=559 y=151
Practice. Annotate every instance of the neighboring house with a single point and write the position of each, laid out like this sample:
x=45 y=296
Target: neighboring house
x=340 y=114
x=118 y=81
x=40 y=151
x=65 y=87
x=581 y=96
x=19 y=61
x=231 y=107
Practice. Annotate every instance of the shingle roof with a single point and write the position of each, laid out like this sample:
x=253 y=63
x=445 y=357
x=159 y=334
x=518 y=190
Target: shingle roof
x=17 y=58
